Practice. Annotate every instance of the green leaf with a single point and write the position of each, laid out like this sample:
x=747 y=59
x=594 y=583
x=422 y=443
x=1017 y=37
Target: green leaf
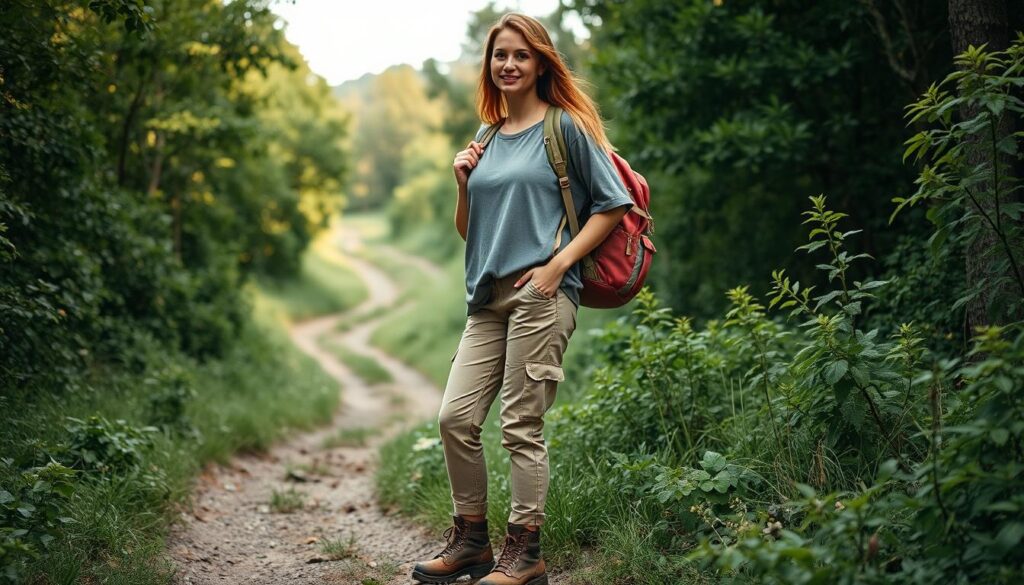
x=999 y=436
x=1009 y=536
x=713 y=462
x=806 y=490
x=722 y=483
x=834 y=371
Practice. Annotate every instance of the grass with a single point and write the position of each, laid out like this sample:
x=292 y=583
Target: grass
x=349 y=438
x=359 y=573
x=426 y=332
x=261 y=389
x=286 y=501
x=363 y=366
x=337 y=549
x=315 y=467
x=326 y=284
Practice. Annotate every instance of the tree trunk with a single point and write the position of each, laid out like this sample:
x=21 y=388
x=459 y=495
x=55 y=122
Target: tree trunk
x=981 y=22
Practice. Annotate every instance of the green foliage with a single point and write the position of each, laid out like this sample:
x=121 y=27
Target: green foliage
x=749 y=418
x=136 y=15
x=97 y=444
x=737 y=110
x=32 y=512
x=921 y=289
x=956 y=517
x=126 y=474
x=167 y=171
x=968 y=180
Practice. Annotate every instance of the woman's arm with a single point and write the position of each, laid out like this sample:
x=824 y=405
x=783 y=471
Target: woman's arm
x=548 y=278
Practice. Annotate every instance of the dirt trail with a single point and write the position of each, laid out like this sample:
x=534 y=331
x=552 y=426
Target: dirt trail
x=233 y=536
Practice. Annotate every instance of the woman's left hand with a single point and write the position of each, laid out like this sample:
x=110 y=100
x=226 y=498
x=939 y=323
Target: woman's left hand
x=546 y=279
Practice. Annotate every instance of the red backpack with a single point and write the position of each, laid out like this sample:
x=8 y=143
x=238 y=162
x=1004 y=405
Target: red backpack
x=615 y=270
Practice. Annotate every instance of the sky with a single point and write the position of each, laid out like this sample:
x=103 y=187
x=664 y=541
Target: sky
x=344 y=39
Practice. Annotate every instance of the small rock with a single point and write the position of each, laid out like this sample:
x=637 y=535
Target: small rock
x=297 y=475
x=313 y=560
x=312 y=539
x=230 y=487
x=373 y=564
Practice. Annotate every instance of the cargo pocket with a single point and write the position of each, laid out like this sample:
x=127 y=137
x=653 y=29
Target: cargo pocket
x=539 y=389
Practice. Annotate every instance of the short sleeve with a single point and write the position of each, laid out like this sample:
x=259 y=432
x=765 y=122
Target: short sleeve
x=594 y=170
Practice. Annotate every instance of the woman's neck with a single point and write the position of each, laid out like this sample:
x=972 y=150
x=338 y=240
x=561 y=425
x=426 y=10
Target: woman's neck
x=523 y=110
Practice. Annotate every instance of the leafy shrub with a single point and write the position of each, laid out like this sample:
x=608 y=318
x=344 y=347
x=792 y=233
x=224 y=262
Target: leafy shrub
x=97 y=444
x=32 y=511
x=172 y=393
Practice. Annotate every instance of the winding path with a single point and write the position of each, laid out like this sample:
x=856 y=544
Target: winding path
x=232 y=536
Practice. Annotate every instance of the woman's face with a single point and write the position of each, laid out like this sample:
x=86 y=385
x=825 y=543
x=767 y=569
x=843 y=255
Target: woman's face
x=514 y=66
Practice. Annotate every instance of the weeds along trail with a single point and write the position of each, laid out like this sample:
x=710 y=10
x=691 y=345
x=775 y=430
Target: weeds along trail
x=305 y=512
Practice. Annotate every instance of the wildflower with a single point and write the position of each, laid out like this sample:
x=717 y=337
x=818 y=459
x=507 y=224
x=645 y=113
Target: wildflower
x=839 y=506
x=772 y=529
x=424 y=443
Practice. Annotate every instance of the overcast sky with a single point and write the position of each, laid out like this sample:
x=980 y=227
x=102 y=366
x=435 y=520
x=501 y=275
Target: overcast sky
x=343 y=39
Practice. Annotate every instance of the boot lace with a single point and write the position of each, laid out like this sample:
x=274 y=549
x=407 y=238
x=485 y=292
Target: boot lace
x=456 y=536
x=510 y=553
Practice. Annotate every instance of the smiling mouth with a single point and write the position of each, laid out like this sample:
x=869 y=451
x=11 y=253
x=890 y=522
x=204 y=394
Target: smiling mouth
x=509 y=79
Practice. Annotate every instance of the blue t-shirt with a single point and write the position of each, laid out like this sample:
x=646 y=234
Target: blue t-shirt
x=515 y=205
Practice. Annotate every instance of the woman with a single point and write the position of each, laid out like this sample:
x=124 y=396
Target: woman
x=522 y=283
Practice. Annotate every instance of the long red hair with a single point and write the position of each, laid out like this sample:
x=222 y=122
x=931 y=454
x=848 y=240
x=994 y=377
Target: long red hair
x=558 y=86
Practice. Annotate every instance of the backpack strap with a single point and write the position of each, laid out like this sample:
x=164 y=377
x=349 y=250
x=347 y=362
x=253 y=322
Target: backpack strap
x=490 y=132
x=554 y=144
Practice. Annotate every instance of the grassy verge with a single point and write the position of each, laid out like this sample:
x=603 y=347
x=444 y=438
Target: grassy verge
x=144 y=429
x=325 y=285
x=365 y=367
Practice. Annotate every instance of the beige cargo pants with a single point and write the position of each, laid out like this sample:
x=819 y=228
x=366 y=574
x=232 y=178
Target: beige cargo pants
x=514 y=343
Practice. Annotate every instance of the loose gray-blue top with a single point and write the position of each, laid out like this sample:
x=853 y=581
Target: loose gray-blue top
x=515 y=205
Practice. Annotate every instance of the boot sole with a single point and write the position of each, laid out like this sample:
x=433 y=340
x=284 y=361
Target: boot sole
x=542 y=580
x=474 y=572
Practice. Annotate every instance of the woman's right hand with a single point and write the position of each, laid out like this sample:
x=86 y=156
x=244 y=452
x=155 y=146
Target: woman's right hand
x=466 y=161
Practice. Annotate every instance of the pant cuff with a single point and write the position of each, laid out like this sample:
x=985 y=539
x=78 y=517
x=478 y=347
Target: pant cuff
x=535 y=519
x=470 y=509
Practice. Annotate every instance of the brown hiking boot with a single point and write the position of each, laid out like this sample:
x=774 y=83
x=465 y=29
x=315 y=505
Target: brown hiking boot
x=468 y=553
x=520 y=562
